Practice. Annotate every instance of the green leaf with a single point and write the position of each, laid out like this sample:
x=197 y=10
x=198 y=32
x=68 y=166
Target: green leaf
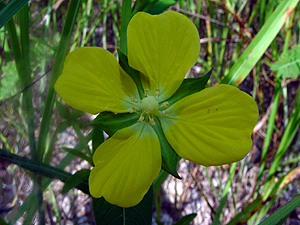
x=61 y=53
x=186 y=219
x=288 y=64
x=8 y=10
x=282 y=213
x=260 y=43
x=78 y=153
x=76 y=179
x=108 y=214
x=111 y=123
x=170 y=158
x=189 y=86
x=41 y=168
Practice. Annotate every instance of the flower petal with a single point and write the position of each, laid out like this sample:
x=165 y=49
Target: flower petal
x=126 y=165
x=163 y=48
x=212 y=127
x=92 y=81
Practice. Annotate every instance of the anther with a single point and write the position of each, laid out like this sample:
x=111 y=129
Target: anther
x=165 y=112
x=151 y=121
x=157 y=92
x=165 y=105
x=141 y=119
x=146 y=92
x=135 y=108
x=134 y=100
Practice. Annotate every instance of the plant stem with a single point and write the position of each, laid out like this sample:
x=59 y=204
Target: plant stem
x=126 y=16
x=61 y=53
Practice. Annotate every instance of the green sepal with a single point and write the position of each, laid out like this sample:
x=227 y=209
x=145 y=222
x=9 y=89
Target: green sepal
x=189 y=86
x=159 y=7
x=111 y=123
x=185 y=220
x=75 y=179
x=97 y=138
x=108 y=214
x=170 y=158
x=134 y=74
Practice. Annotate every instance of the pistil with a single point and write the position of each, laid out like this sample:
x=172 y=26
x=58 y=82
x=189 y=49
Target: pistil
x=148 y=107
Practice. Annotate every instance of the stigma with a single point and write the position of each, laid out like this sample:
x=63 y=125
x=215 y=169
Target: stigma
x=149 y=107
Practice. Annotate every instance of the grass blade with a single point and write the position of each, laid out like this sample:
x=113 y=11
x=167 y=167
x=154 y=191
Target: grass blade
x=283 y=212
x=7 y=11
x=62 y=51
x=260 y=43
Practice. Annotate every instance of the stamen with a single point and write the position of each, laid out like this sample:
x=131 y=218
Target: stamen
x=141 y=118
x=165 y=112
x=157 y=92
x=146 y=92
x=134 y=100
x=130 y=110
x=135 y=108
x=151 y=121
x=165 y=105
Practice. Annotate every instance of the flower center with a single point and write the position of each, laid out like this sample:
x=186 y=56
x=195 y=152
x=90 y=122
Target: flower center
x=149 y=105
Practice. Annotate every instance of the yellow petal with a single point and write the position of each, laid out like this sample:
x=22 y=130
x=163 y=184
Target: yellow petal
x=91 y=81
x=212 y=127
x=163 y=47
x=126 y=165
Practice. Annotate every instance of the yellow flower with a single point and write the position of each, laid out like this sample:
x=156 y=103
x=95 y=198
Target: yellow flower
x=211 y=127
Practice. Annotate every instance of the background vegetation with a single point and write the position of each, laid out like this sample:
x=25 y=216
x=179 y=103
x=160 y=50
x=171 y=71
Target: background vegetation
x=250 y=44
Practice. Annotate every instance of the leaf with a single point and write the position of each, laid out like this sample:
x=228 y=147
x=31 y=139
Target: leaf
x=186 y=219
x=288 y=64
x=41 y=168
x=78 y=153
x=111 y=123
x=283 y=212
x=108 y=214
x=8 y=10
x=260 y=43
x=189 y=86
x=76 y=179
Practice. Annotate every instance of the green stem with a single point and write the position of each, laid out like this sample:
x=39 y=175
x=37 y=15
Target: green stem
x=22 y=58
x=27 y=98
x=126 y=16
x=271 y=126
x=62 y=51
